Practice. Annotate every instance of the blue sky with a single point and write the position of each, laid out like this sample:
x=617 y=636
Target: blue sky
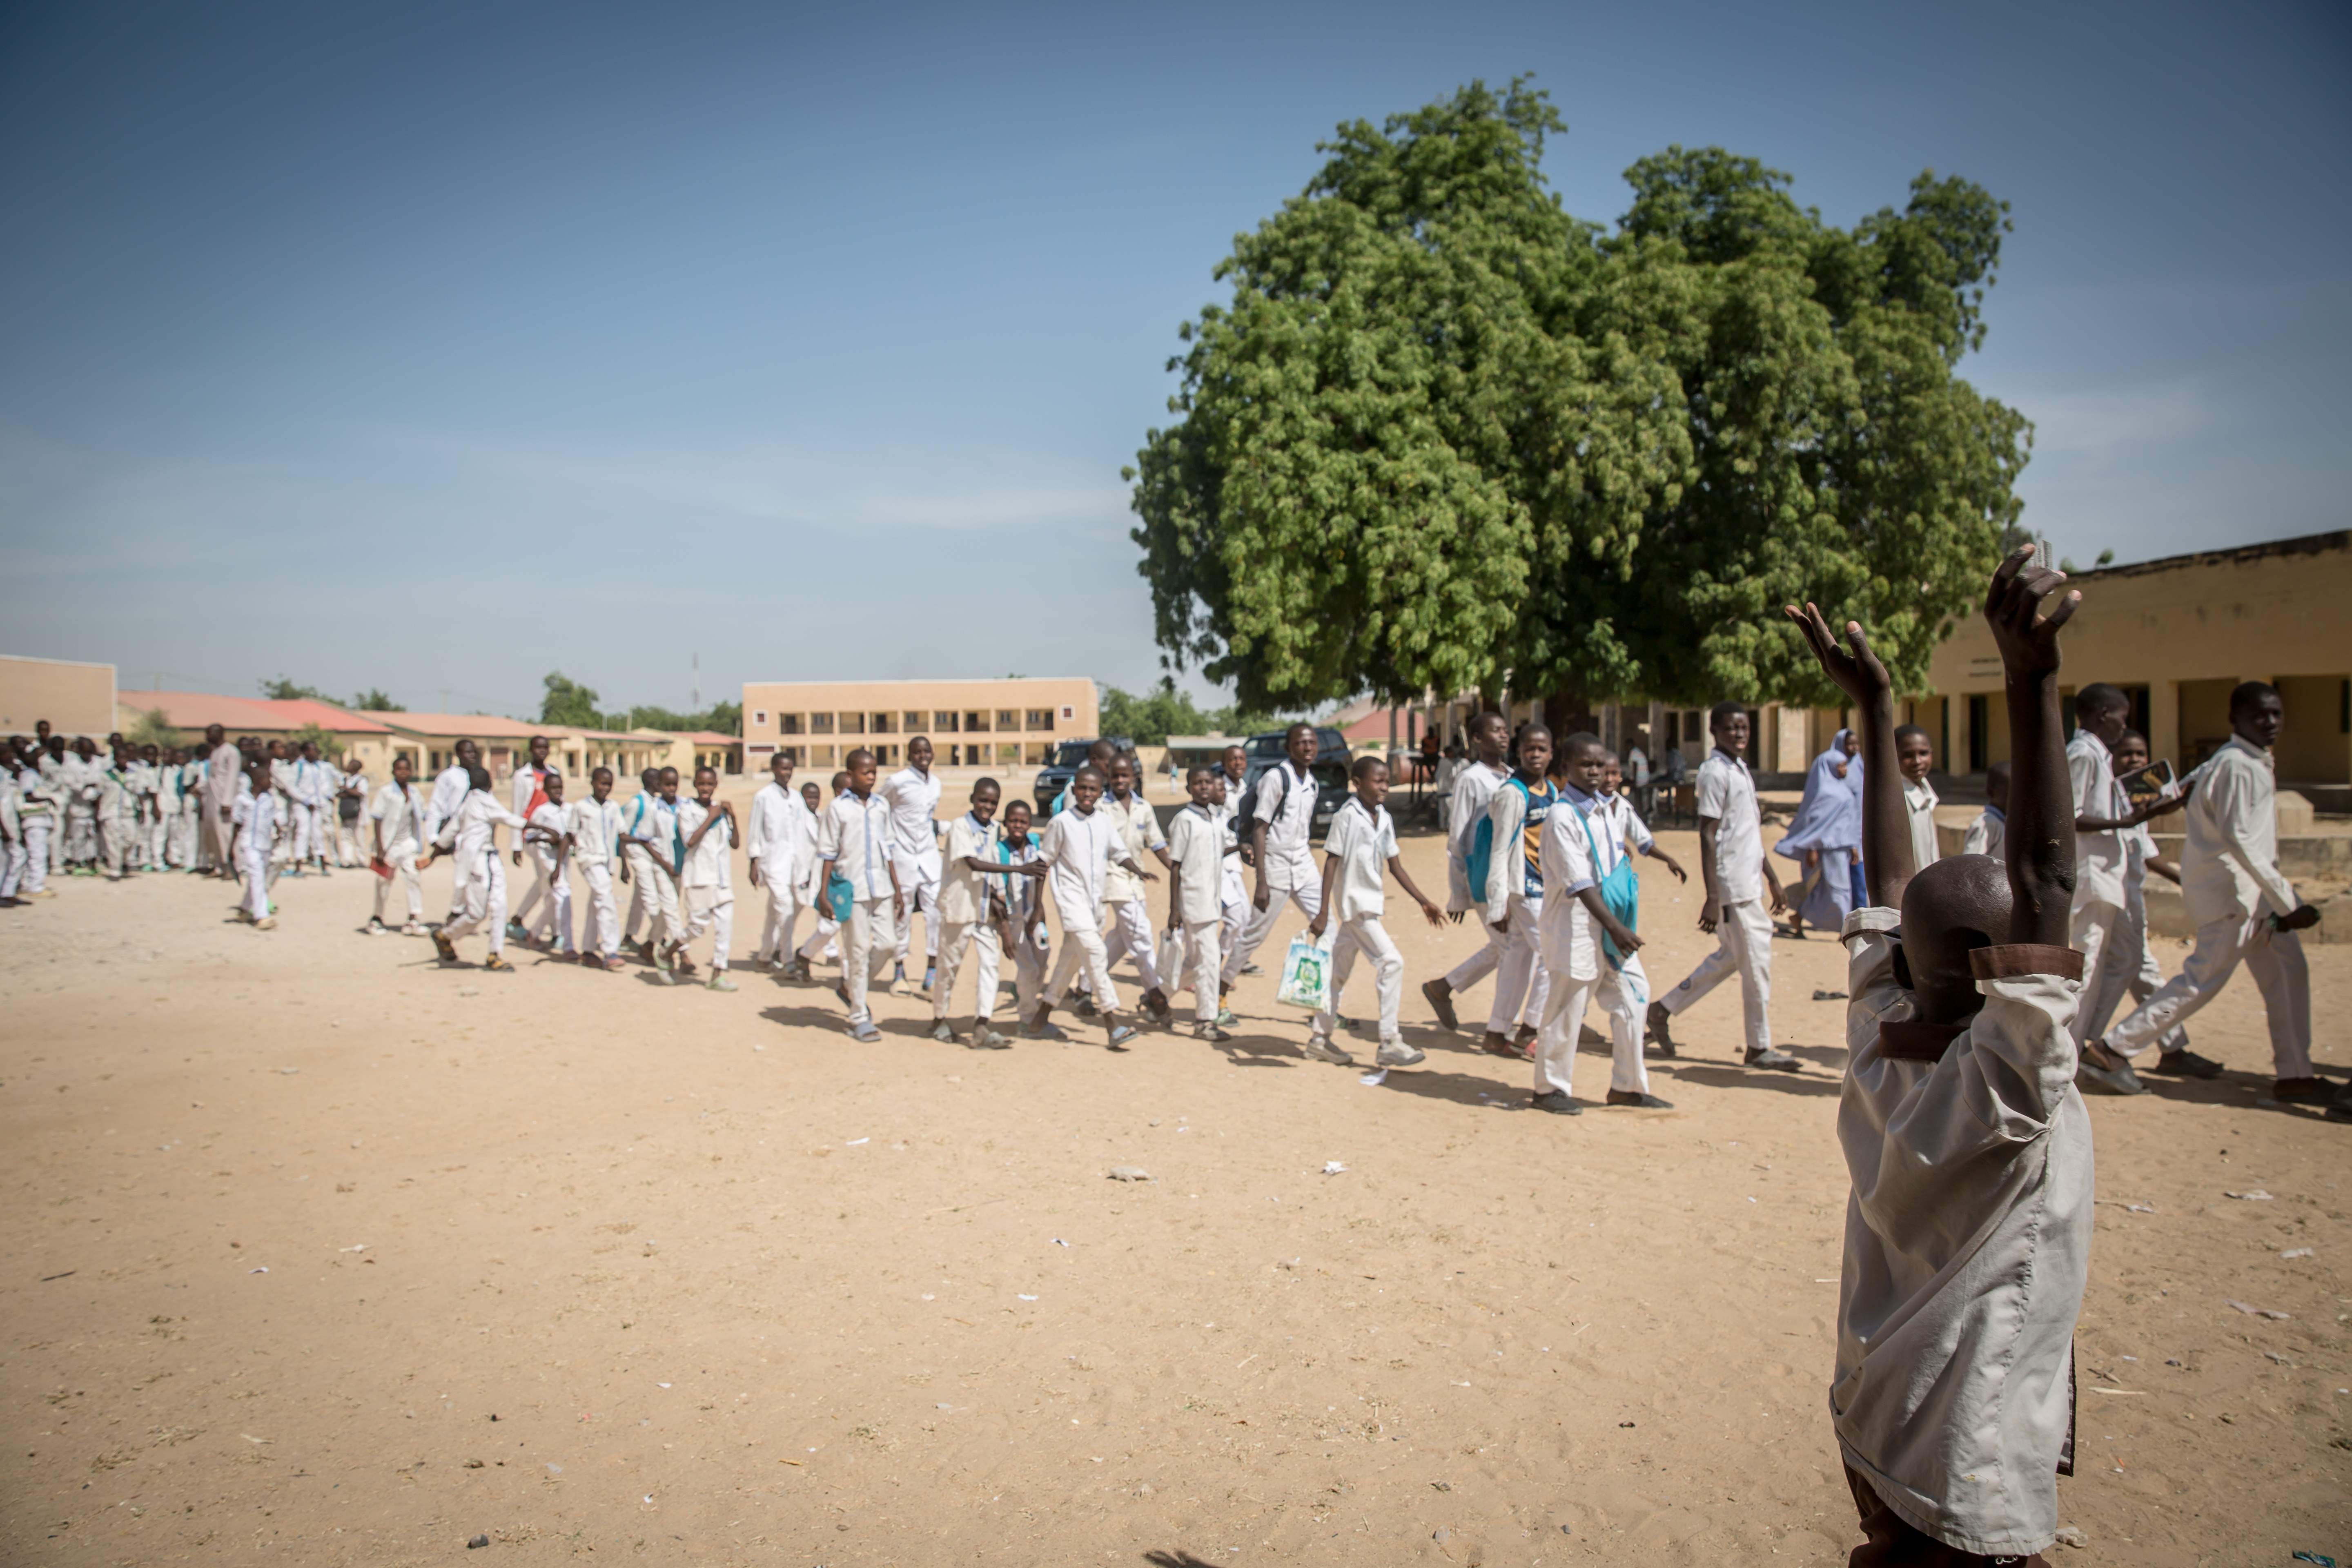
x=433 y=347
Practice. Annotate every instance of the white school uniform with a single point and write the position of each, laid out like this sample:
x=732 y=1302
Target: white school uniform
x=1196 y=846
x=81 y=783
x=36 y=820
x=1967 y=1241
x=1515 y=889
x=257 y=819
x=1126 y=915
x=479 y=871
x=963 y=914
x=1987 y=833
x=2128 y=967
x=449 y=787
x=1078 y=847
x=1285 y=802
x=12 y=835
x=1919 y=805
x=708 y=879
x=398 y=815
x=854 y=840
x=595 y=829
x=521 y=790
x=914 y=799
x=823 y=944
x=1582 y=843
x=2230 y=878
x=1474 y=788
x=186 y=844
x=779 y=839
x=546 y=858
x=1030 y=947
x=2097 y=915
x=651 y=846
x=1363 y=842
x=1743 y=935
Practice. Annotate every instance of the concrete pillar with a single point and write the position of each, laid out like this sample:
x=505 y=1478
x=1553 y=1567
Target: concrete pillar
x=2164 y=723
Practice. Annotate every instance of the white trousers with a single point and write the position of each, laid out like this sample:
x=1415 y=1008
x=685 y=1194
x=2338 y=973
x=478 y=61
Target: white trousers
x=659 y=892
x=1743 y=946
x=180 y=846
x=2093 y=929
x=310 y=843
x=347 y=838
x=402 y=859
x=1622 y=994
x=547 y=876
x=922 y=893
x=1203 y=966
x=600 y=931
x=2129 y=969
x=824 y=945
x=2273 y=958
x=484 y=906
x=1308 y=898
x=256 y=883
x=859 y=952
x=81 y=833
x=37 y=853
x=710 y=909
x=1481 y=963
x=1031 y=957
x=1365 y=934
x=636 y=899
x=1522 y=983
x=12 y=865
x=1082 y=945
x=782 y=900
x=957 y=937
x=1128 y=933
x=120 y=833
x=541 y=860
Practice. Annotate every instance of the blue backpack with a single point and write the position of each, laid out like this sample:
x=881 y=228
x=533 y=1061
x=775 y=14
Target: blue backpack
x=1482 y=843
x=1621 y=891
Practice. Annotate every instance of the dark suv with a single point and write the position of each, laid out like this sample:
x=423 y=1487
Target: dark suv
x=1330 y=768
x=1062 y=765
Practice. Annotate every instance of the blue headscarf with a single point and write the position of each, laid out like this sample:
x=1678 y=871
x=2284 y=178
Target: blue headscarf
x=1830 y=816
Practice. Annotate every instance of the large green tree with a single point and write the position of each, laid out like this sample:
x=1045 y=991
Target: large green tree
x=1446 y=434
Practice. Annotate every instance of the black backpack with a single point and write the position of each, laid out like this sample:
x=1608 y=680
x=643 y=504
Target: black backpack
x=1245 y=820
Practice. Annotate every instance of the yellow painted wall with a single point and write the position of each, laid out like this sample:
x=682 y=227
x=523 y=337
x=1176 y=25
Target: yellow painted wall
x=822 y=722
x=75 y=699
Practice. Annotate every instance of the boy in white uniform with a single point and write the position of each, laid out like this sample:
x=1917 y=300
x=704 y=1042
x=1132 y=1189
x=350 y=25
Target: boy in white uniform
x=824 y=945
x=913 y=795
x=971 y=912
x=396 y=819
x=1968 y=1232
x=1583 y=846
x=313 y=784
x=708 y=876
x=256 y=821
x=1199 y=846
x=118 y=814
x=1023 y=898
x=36 y=818
x=854 y=840
x=480 y=876
x=2130 y=968
x=773 y=840
x=1361 y=840
x=1127 y=919
x=1080 y=843
x=1915 y=753
x=351 y=810
x=548 y=824
x=652 y=849
x=1282 y=817
x=449 y=787
x=594 y=828
x=1988 y=832
x=524 y=791
x=80 y=773
x=1472 y=790
x=2245 y=908
x=1738 y=879
x=1508 y=849
x=187 y=832
x=2102 y=815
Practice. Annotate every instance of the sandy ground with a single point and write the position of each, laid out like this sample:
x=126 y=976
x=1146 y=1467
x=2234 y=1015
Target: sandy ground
x=322 y=1255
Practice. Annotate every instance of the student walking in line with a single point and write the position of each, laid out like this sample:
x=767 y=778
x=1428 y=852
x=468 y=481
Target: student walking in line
x=351 y=810
x=1506 y=872
x=652 y=850
x=1080 y=845
x=548 y=827
x=2246 y=911
x=396 y=821
x=1021 y=898
x=781 y=840
x=1127 y=919
x=856 y=840
x=1199 y=846
x=257 y=823
x=593 y=838
x=635 y=813
x=913 y=795
x=1968 y=1237
x=1282 y=812
x=705 y=879
x=1825 y=839
x=824 y=945
x=2129 y=968
x=1470 y=791
x=449 y=789
x=2102 y=815
x=972 y=917
x=1588 y=946
x=526 y=790
x=1361 y=842
x=480 y=876
x=1739 y=882
x=1989 y=831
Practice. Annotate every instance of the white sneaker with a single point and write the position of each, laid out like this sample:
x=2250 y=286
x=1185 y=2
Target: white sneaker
x=1321 y=1045
x=1397 y=1053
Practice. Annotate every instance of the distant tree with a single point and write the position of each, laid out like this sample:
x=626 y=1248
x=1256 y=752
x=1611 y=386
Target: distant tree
x=723 y=717
x=1150 y=719
x=569 y=703
x=284 y=691
x=1446 y=435
x=319 y=734
x=374 y=700
x=151 y=729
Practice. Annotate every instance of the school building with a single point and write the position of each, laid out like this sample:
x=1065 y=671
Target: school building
x=1010 y=723
x=430 y=742
x=76 y=699
x=340 y=732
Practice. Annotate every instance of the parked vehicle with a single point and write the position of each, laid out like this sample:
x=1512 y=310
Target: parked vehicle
x=1062 y=765
x=1330 y=768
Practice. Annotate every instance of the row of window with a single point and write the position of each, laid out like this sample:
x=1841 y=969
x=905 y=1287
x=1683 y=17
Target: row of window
x=945 y=754
x=913 y=722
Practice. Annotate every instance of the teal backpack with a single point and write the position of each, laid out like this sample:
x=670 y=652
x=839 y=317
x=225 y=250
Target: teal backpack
x=1621 y=891
x=1482 y=842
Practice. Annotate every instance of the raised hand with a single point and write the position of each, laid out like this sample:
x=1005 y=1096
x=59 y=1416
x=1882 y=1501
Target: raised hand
x=2027 y=646
x=1858 y=673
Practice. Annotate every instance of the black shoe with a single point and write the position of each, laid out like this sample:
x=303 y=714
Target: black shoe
x=2185 y=1063
x=1556 y=1102
x=1654 y=1022
x=2340 y=1108
x=1773 y=1060
x=1645 y=1101
x=1440 y=1002
x=2303 y=1091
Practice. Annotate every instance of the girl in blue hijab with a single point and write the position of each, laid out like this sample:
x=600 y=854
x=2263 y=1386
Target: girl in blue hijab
x=1826 y=838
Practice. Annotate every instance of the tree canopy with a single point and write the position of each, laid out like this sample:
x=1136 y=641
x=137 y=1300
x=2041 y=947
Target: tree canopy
x=567 y=701
x=1446 y=434
x=1150 y=719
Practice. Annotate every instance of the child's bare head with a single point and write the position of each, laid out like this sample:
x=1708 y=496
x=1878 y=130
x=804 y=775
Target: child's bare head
x=861 y=767
x=705 y=784
x=1199 y=783
x=2103 y=710
x=1582 y=760
x=1997 y=787
x=986 y=794
x=552 y=783
x=1728 y=722
x=1914 y=753
x=1371 y=774
x=2131 y=750
x=1535 y=752
x=1953 y=907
